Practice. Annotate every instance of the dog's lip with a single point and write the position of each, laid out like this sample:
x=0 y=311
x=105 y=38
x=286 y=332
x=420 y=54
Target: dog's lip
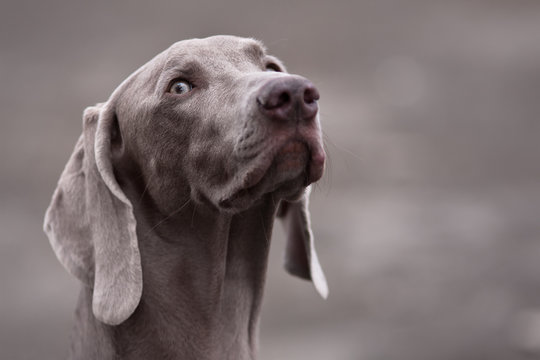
x=294 y=153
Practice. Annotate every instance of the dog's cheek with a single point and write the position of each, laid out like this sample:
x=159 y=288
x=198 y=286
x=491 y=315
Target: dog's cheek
x=210 y=166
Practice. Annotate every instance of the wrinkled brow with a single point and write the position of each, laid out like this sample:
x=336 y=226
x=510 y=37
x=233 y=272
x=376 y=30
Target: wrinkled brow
x=187 y=68
x=176 y=68
x=191 y=71
x=255 y=50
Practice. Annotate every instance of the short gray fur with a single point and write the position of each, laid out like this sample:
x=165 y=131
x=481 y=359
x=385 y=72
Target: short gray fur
x=152 y=214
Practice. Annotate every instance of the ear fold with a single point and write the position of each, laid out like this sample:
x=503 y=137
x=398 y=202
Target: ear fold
x=300 y=256
x=91 y=226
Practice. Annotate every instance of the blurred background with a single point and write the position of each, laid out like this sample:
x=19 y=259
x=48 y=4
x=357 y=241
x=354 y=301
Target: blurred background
x=427 y=221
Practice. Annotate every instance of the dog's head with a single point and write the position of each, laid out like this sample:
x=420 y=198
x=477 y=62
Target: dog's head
x=230 y=124
x=216 y=120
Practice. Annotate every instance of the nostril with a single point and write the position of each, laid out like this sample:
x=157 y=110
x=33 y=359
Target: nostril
x=284 y=98
x=275 y=100
x=311 y=95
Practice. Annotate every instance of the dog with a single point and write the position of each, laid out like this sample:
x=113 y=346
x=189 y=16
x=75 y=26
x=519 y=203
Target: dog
x=175 y=183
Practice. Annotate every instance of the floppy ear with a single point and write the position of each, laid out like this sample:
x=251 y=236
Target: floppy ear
x=90 y=222
x=300 y=256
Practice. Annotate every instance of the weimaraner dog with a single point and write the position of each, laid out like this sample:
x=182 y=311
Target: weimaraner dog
x=165 y=209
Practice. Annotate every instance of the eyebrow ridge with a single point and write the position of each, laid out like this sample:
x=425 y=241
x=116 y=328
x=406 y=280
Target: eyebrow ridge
x=255 y=49
x=188 y=68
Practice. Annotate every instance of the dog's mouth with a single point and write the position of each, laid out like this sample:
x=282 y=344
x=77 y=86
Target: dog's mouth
x=286 y=170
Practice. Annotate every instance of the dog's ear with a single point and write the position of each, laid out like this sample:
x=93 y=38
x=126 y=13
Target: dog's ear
x=300 y=256
x=90 y=222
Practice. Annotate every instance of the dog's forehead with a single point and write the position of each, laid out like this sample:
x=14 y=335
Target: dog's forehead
x=217 y=48
x=216 y=54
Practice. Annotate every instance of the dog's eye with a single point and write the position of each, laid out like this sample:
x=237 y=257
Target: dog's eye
x=272 y=67
x=180 y=87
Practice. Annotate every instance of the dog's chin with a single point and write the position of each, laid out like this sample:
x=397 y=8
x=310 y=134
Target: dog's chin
x=286 y=177
x=244 y=199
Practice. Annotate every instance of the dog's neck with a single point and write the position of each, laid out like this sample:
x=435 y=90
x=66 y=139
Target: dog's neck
x=203 y=276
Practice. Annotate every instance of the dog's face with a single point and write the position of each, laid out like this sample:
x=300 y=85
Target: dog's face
x=220 y=118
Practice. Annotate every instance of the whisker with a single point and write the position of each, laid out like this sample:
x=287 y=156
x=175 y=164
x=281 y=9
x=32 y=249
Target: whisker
x=193 y=214
x=168 y=217
x=327 y=176
x=340 y=147
x=277 y=41
x=264 y=228
x=145 y=187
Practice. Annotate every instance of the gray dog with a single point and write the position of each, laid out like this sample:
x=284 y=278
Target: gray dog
x=176 y=180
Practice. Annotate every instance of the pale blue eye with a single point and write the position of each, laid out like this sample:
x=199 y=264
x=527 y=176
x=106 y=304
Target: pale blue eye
x=180 y=87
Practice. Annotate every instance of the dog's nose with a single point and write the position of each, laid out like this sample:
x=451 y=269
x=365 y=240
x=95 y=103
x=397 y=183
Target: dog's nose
x=288 y=98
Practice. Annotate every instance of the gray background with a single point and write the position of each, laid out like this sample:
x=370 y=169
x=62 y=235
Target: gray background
x=427 y=221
